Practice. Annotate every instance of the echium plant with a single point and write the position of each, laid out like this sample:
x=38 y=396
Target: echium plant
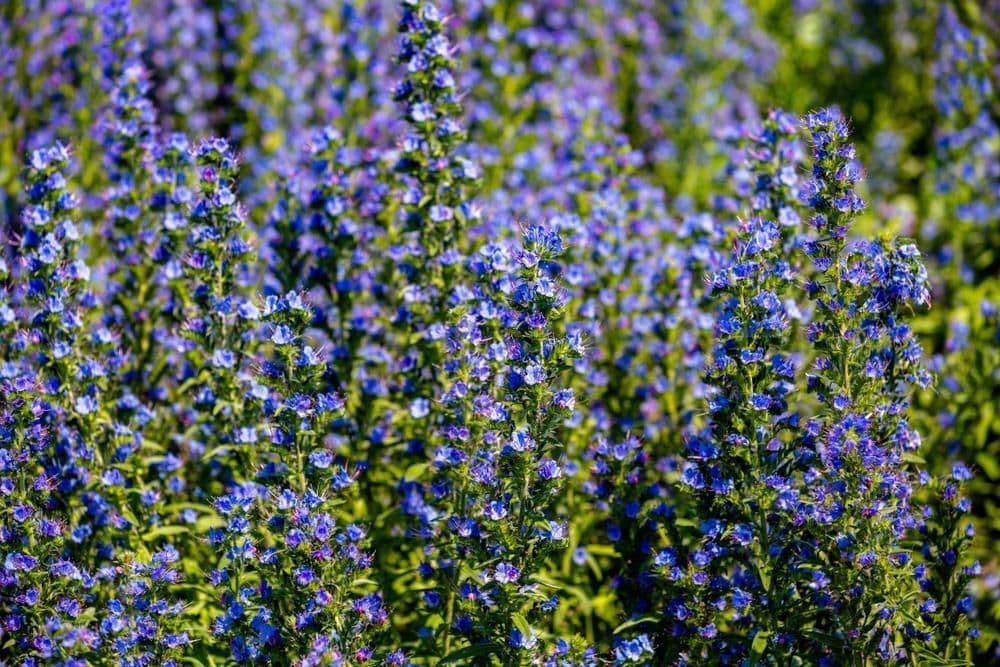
x=118 y=49
x=380 y=449
x=750 y=371
x=966 y=177
x=141 y=621
x=67 y=359
x=128 y=129
x=45 y=464
x=866 y=365
x=53 y=278
x=622 y=490
x=291 y=576
x=437 y=187
x=437 y=205
x=181 y=41
x=287 y=248
x=334 y=234
x=336 y=238
x=218 y=316
x=69 y=530
x=801 y=548
x=45 y=56
x=635 y=292
x=171 y=198
x=489 y=516
x=946 y=570
x=345 y=215
x=730 y=573
x=967 y=367
x=422 y=264
x=768 y=179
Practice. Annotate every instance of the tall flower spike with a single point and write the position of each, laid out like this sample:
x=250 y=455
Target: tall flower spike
x=118 y=49
x=490 y=511
x=44 y=463
x=282 y=529
x=770 y=179
x=55 y=277
x=218 y=317
x=171 y=201
x=830 y=192
x=737 y=470
x=69 y=449
x=128 y=130
x=946 y=569
x=437 y=203
x=867 y=363
x=967 y=135
x=436 y=185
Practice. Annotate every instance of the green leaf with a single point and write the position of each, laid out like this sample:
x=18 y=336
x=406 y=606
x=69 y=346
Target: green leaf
x=215 y=452
x=601 y=550
x=989 y=464
x=476 y=651
x=415 y=471
x=631 y=623
x=176 y=508
x=129 y=515
x=758 y=647
x=521 y=623
x=165 y=531
x=581 y=596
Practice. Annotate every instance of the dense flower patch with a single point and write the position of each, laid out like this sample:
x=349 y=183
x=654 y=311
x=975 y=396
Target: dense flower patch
x=499 y=333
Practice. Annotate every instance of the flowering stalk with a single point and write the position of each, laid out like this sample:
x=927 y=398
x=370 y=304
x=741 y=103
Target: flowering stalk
x=118 y=49
x=332 y=215
x=965 y=176
x=769 y=179
x=290 y=575
x=44 y=462
x=946 y=570
x=218 y=317
x=128 y=130
x=437 y=201
x=383 y=450
x=489 y=511
x=67 y=453
x=735 y=469
x=868 y=363
x=438 y=184
x=131 y=232
x=170 y=202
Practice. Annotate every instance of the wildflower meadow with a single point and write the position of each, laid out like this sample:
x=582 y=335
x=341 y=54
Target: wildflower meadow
x=557 y=333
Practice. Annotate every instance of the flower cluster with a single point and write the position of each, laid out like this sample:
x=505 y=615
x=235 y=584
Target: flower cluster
x=499 y=464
